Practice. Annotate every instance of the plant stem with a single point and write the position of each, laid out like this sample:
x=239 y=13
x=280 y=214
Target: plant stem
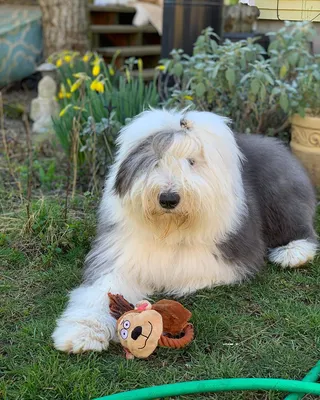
x=29 y=184
x=74 y=155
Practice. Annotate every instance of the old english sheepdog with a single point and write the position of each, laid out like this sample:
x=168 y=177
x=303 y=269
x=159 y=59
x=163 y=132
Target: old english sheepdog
x=188 y=205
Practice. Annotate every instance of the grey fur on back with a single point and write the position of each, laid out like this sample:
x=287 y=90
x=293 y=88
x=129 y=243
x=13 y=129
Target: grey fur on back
x=280 y=198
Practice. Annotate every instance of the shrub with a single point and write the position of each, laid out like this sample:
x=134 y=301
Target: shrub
x=258 y=90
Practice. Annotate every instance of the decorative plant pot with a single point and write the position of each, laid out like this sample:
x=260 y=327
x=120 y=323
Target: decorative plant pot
x=20 y=42
x=305 y=144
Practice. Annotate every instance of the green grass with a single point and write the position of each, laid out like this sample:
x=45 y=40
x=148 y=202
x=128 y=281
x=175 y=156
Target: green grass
x=269 y=327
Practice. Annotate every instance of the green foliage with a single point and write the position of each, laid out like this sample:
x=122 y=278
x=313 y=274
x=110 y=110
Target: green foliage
x=48 y=231
x=258 y=90
x=96 y=101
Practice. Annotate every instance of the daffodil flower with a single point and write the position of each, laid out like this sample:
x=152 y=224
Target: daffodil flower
x=96 y=66
x=81 y=75
x=140 y=65
x=100 y=87
x=69 y=82
x=96 y=70
x=93 y=85
x=111 y=70
x=187 y=97
x=67 y=58
x=79 y=108
x=97 y=86
x=76 y=85
x=64 y=110
x=59 y=62
x=87 y=57
x=63 y=94
x=161 y=67
x=128 y=75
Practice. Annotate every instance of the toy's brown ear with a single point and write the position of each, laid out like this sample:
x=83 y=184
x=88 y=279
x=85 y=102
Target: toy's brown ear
x=118 y=305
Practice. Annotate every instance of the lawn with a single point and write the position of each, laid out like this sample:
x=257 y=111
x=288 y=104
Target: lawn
x=269 y=327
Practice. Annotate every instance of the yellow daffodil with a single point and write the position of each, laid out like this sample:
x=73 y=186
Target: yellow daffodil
x=140 y=65
x=76 y=85
x=64 y=110
x=93 y=85
x=69 y=82
x=161 y=67
x=111 y=70
x=87 y=57
x=63 y=94
x=59 y=62
x=97 y=86
x=79 y=108
x=81 y=75
x=187 y=97
x=96 y=70
x=100 y=87
x=128 y=75
x=67 y=58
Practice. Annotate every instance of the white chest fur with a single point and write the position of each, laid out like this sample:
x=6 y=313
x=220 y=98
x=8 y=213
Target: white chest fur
x=176 y=269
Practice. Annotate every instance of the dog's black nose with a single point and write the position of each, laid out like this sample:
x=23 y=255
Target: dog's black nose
x=136 y=332
x=169 y=200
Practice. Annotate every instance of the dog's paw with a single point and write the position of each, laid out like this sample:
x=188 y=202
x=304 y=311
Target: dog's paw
x=78 y=337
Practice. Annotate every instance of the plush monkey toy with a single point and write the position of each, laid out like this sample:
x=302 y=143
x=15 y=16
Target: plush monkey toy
x=144 y=327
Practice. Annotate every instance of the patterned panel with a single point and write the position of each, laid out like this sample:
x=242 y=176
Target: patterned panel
x=20 y=42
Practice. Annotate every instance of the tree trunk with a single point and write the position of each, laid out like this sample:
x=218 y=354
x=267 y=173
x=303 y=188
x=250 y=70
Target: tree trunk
x=65 y=25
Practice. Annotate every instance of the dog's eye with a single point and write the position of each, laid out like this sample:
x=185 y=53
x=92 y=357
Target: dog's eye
x=191 y=161
x=126 y=324
x=124 y=334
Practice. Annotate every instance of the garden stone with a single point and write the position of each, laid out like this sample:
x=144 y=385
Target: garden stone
x=44 y=107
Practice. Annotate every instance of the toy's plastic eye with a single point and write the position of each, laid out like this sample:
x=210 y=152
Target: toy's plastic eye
x=191 y=161
x=126 y=324
x=124 y=334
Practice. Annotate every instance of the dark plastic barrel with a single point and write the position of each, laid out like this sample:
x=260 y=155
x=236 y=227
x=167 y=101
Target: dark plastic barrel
x=183 y=21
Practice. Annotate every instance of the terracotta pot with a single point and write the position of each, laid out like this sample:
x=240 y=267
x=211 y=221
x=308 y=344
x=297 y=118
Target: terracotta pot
x=305 y=144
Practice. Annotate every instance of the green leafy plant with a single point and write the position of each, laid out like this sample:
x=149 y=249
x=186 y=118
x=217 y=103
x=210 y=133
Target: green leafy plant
x=258 y=90
x=96 y=101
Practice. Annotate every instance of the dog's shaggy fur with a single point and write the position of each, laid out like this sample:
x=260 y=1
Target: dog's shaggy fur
x=241 y=198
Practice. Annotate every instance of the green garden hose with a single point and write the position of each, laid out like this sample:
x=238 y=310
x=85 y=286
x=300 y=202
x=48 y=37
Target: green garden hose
x=217 y=385
x=312 y=376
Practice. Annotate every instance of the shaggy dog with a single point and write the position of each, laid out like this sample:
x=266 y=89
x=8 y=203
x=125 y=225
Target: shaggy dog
x=188 y=205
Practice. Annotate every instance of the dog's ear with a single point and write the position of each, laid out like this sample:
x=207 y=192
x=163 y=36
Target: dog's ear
x=118 y=305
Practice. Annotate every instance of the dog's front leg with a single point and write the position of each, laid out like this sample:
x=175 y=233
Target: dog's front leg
x=86 y=324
